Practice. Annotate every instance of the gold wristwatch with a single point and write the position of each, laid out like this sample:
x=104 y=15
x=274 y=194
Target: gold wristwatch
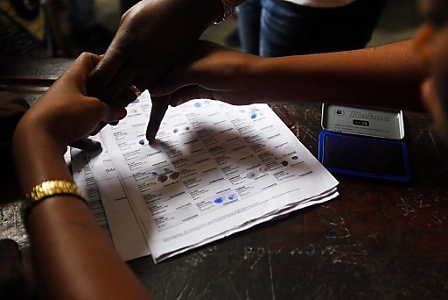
x=50 y=188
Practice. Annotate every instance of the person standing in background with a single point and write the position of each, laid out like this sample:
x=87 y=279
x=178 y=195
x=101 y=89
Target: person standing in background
x=290 y=27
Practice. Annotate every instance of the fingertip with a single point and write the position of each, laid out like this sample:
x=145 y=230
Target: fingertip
x=95 y=145
x=120 y=112
x=86 y=144
x=175 y=102
x=95 y=58
x=114 y=114
x=150 y=136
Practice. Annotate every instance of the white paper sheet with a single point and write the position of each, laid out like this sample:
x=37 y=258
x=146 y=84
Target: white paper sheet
x=215 y=169
x=84 y=179
x=115 y=214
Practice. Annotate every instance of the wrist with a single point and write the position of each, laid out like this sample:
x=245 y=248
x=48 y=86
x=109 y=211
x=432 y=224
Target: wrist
x=32 y=130
x=50 y=189
x=37 y=157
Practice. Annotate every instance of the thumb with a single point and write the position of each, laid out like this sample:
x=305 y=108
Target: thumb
x=112 y=113
x=81 y=68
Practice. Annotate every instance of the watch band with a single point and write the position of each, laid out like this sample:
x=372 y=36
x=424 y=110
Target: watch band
x=229 y=9
x=50 y=188
x=54 y=187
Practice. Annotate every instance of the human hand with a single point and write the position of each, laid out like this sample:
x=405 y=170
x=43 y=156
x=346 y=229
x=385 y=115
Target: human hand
x=212 y=72
x=153 y=36
x=67 y=112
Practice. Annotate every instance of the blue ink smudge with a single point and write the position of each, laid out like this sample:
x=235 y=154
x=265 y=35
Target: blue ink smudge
x=197 y=104
x=231 y=197
x=219 y=200
x=141 y=142
x=284 y=163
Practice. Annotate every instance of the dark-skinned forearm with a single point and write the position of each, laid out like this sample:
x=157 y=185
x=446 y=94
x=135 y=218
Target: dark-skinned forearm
x=72 y=258
x=385 y=76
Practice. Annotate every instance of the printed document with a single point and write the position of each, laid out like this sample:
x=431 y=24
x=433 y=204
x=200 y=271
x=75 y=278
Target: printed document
x=214 y=169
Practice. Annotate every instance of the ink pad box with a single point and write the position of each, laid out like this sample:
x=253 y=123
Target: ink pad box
x=386 y=124
x=364 y=142
x=364 y=156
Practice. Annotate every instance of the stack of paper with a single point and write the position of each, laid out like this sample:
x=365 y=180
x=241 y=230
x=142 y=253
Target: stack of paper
x=214 y=169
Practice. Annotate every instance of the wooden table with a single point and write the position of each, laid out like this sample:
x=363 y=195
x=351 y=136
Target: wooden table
x=377 y=240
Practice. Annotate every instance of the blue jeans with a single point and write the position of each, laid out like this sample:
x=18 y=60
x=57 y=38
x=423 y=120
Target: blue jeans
x=280 y=28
